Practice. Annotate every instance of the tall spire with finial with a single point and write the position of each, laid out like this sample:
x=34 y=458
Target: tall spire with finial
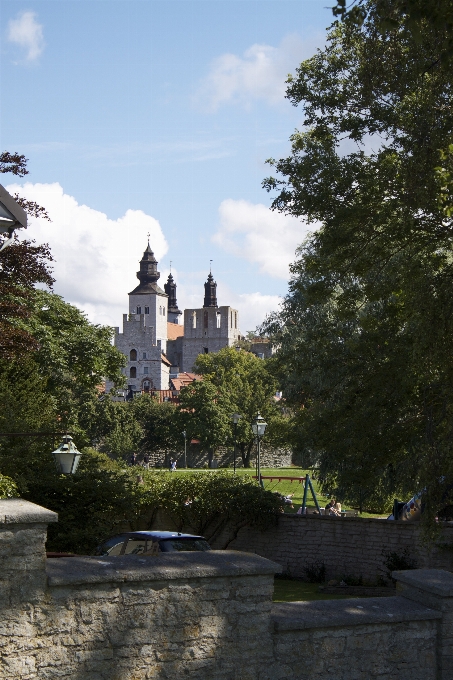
x=170 y=289
x=148 y=274
x=210 y=290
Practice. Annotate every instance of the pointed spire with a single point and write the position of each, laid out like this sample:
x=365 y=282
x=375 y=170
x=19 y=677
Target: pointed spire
x=148 y=274
x=210 y=292
x=170 y=289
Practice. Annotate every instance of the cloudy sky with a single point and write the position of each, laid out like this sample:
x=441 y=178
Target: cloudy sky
x=147 y=116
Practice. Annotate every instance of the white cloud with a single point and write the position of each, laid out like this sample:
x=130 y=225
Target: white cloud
x=26 y=32
x=95 y=257
x=259 y=74
x=256 y=233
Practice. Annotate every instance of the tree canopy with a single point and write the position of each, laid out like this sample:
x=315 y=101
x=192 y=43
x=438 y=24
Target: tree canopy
x=365 y=331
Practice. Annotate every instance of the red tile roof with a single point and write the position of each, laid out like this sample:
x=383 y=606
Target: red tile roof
x=174 y=330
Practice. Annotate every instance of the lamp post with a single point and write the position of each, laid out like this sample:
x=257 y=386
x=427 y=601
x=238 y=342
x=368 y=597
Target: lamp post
x=184 y=434
x=235 y=418
x=258 y=428
x=66 y=456
x=12 y=216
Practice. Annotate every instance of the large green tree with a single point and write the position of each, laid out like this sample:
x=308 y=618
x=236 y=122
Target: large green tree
x=365 y=332
x=249 y=387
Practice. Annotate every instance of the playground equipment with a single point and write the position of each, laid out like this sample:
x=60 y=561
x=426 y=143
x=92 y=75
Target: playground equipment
x=308 y=486
x=409 y=511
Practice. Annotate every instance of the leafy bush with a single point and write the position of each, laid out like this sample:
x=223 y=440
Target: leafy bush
x=398 y=561
x=8 y=488
x=315 y=572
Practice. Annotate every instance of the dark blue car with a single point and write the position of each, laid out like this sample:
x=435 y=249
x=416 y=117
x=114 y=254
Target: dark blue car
x=151 y=543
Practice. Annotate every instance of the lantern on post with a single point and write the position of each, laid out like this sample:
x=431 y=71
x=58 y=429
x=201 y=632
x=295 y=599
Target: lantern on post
x=258 y=428
x=67 y=456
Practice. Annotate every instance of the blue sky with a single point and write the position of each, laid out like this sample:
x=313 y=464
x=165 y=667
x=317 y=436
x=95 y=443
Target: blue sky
x=156 y=116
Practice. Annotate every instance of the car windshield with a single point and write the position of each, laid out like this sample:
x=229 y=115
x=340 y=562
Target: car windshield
x=183 y=544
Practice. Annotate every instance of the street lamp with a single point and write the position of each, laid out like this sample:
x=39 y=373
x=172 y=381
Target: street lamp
x=184 y=434
x=235 y=418
x=12 y=216
x=67 y=456
x=258 y=428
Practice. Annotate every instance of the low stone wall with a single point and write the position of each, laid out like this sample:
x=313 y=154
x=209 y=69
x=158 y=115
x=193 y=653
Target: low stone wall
x=347 y=546
x=206 y=616
x=270 y=457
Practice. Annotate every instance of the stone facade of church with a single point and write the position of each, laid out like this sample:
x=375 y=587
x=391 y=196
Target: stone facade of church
x=152 y=339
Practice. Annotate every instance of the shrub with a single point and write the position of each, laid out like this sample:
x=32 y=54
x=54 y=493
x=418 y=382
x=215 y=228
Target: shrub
x=398 y=561
x=315 y=572
x=8 y=488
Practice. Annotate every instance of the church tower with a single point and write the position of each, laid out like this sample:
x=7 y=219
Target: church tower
x=149 y=299
x=173 y=312
x=210 y=292
x=144 y=336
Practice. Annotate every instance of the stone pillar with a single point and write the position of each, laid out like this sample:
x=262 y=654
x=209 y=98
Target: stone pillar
x=434 y=589
x=23 y=582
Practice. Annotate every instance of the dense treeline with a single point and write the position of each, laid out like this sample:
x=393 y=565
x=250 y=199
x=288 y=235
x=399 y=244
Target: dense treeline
x=365 y=332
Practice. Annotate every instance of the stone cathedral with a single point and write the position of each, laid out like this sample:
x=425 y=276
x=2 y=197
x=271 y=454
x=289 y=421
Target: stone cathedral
x=154 y=341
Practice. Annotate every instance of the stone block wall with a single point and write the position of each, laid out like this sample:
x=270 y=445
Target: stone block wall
x=206 y=616
x=270 y=457
x=347 y=546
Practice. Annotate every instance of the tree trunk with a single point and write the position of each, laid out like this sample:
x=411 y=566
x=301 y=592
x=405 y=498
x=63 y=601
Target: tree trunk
x=246 y=450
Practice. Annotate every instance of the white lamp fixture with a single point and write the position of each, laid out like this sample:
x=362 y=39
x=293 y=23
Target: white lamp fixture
x=12 y=216
x=67 y=456
x=259 y=426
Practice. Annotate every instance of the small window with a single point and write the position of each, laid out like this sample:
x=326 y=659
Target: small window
x=145 y=370
x=231 y=319
x=144 y=355
x=133 y=372
x=194 y=319
x=133 y=355
x=146 y=310
x=146 y=386
x=163 y=311
x=139 y=310
x=160 y=310
x=235 y=319
x=219 y=319
x=206 y=350
x=206 y=318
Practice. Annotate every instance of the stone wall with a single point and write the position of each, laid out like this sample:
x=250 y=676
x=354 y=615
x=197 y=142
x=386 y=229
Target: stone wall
x=347 y=546
x=270 y=457
x=206 y=616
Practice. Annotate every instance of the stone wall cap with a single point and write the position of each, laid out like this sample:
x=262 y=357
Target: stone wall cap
x=167 y=566
x=435 y=581
x=18 y=511
x=351 y=612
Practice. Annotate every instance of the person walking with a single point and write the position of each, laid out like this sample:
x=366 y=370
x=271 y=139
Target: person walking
x=146 y=461
x=170 y=465
x=134 y=459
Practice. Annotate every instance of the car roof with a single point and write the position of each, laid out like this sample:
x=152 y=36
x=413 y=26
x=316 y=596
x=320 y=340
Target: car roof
x=161 y=534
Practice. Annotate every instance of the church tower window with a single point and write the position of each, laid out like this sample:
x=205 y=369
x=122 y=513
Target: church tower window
x=219 y=319
x=133 y=372
x=146 y=310
x=144 y=355
x=139 y=310
x=133 y=355
x=194 y=319
x=206 y=350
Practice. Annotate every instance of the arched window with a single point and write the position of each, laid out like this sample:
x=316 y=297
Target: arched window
x=219 y=319
x=133 y=372
x=133 y=355
x=139 y=310
x=194 y=319
x=146 y=310
x=146 y=386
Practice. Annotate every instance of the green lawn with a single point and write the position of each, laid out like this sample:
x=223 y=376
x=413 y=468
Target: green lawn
x=289 y=590
x=286 y=487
